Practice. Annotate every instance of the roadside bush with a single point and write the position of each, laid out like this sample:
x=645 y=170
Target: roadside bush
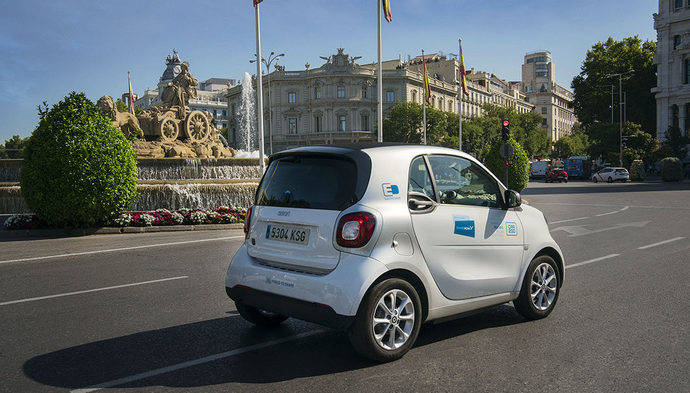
x=79 y=170
x=518 y=165
x=671 y=169
x=637 y=172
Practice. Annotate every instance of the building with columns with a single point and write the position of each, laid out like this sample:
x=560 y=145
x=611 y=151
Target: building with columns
x=672 y=91
x=551 y=100
x=336 y=102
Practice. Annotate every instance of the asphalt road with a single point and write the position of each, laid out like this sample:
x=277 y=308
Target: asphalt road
x=148 y=312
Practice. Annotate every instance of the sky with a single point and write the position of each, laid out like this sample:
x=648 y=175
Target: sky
x=49 y=48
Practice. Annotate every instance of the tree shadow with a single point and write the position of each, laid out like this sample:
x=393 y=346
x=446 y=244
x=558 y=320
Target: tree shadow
x=602 y=188
x=321 y=354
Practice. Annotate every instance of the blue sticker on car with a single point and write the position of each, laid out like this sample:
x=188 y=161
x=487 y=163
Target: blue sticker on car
x=511 y=228
x=390 y=190
x=464 y=228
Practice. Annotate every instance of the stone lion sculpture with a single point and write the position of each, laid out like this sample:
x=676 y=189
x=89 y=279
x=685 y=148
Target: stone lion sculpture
x=125 y=121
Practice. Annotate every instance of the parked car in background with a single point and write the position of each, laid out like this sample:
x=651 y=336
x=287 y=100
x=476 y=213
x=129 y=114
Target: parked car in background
x=556 y=175
x=611 y=174
x=378 y=240
x=537 y=169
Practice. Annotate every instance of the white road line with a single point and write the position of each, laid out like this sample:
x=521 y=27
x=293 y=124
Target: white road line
x=660 y=243
x=592 y=261
x=608 y=205
x=119 y=249
x=613 y=212
x=31 y=299
x=190 y=363
x=572 y=219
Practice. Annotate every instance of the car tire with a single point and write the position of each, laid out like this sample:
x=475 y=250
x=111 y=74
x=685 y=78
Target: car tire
x=565 y=181
x=610 y=180
x=259 y=317
x=594 y=179
x=529 y=304
x=369 y=338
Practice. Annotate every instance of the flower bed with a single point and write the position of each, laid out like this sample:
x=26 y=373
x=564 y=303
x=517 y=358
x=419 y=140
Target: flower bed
x=160 y=217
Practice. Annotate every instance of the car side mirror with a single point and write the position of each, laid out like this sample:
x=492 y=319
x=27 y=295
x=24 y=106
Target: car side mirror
x=513 y=199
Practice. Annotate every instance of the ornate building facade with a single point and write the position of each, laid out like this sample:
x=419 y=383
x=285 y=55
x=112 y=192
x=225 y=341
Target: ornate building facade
x=672 y=91
x=551 y=100
x=336 y=102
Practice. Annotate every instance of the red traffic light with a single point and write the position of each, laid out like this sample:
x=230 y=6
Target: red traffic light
x=505 y=123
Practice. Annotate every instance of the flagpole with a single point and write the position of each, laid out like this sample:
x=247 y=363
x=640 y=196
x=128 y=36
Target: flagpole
x=424 y=103
x=380 y=78
x=259 y=92
x=459 y=100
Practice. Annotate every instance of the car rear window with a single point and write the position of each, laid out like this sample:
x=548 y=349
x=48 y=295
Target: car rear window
x=311 y=182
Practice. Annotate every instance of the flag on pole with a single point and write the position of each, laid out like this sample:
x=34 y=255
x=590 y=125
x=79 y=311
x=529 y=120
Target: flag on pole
x=131 y=94
x=387 y=10
x=256 y=2
x=462 y=72
x=427 y=88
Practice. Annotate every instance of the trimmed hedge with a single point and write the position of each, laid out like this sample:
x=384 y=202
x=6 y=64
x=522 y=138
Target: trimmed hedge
x=518 y=165
x=671 y=169
x=79 y=170
x=637 y=172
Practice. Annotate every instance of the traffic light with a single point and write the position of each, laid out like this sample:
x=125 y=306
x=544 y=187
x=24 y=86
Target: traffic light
x=505 y=132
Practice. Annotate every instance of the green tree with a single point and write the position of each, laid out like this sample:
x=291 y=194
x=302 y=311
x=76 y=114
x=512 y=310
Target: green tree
x=79 y=170
x=121 y=105
x=676 y=142
x=592 y=87
x=575 y=144
x=14 y=147
x=518 y=165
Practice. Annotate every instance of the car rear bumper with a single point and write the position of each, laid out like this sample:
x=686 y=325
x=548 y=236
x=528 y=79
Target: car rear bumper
x=284 y=305
x=331 y=299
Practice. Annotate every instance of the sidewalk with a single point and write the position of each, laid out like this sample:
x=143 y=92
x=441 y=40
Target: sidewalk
x=67 y=232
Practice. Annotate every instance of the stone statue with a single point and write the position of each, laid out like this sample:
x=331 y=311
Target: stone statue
x=125 y=121
x=180 y=90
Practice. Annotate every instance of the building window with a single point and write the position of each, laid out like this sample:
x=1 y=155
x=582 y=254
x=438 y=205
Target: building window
x=317 y=123
x=543 y=122
x=414 y=95
x=317 y=93
x=676 y=41
x=365 y=122
x=292 y=97
x=341 y=91
x=543 y=110
x=686 y=71
x=364 y=92
x=215 y=113
x=292 y=125
x=450 y=106
x=233 y=109
x=225 y=113
x=678 y=4
x=390 y=96
x=342 y=123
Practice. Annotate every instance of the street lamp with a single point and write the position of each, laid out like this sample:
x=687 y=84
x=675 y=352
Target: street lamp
x=620 y=111
x=271 y=58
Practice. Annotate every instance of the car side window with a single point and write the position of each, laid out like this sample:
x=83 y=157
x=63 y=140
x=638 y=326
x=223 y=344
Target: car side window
x=462 y=182
x=420 y=180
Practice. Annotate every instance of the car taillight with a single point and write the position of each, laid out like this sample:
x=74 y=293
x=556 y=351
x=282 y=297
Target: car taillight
x=355 y=229
x=247 y=221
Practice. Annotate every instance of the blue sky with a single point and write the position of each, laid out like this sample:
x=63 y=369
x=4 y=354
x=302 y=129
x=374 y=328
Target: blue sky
x=48 y=48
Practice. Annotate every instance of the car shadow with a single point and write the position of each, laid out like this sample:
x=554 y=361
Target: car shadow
x=323 y=353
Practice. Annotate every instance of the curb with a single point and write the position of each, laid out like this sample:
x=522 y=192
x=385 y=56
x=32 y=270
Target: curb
x=22 y=233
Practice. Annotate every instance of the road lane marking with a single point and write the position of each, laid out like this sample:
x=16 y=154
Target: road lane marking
x=119 y=249
x=660 y=243
x=580 y=230
x=31 y=299
x=613 y=212
x=592 y=261
x=195 y=362
x=608 y=205
x=572 y=219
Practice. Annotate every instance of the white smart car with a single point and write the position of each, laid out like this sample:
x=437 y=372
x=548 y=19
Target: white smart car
x=379 y=240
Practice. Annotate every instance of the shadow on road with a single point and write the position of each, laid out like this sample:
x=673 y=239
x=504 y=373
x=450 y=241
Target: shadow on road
x=321 y=354
x=603 y=188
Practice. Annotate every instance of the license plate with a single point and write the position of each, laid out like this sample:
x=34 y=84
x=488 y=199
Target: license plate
x=288 y=233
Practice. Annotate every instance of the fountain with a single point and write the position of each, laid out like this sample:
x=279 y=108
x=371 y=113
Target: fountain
x=247 y=119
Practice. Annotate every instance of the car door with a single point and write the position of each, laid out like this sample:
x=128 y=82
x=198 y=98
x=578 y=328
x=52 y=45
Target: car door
x=473 y=246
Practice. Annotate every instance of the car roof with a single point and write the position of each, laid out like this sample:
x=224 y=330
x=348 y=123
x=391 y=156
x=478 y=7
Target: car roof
x=374 y=148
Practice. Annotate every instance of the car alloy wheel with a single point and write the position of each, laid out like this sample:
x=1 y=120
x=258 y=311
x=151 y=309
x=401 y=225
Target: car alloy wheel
x=393 y=319
x=543 y=286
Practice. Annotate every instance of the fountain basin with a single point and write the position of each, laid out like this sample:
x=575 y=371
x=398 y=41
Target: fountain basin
x=162 y=194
